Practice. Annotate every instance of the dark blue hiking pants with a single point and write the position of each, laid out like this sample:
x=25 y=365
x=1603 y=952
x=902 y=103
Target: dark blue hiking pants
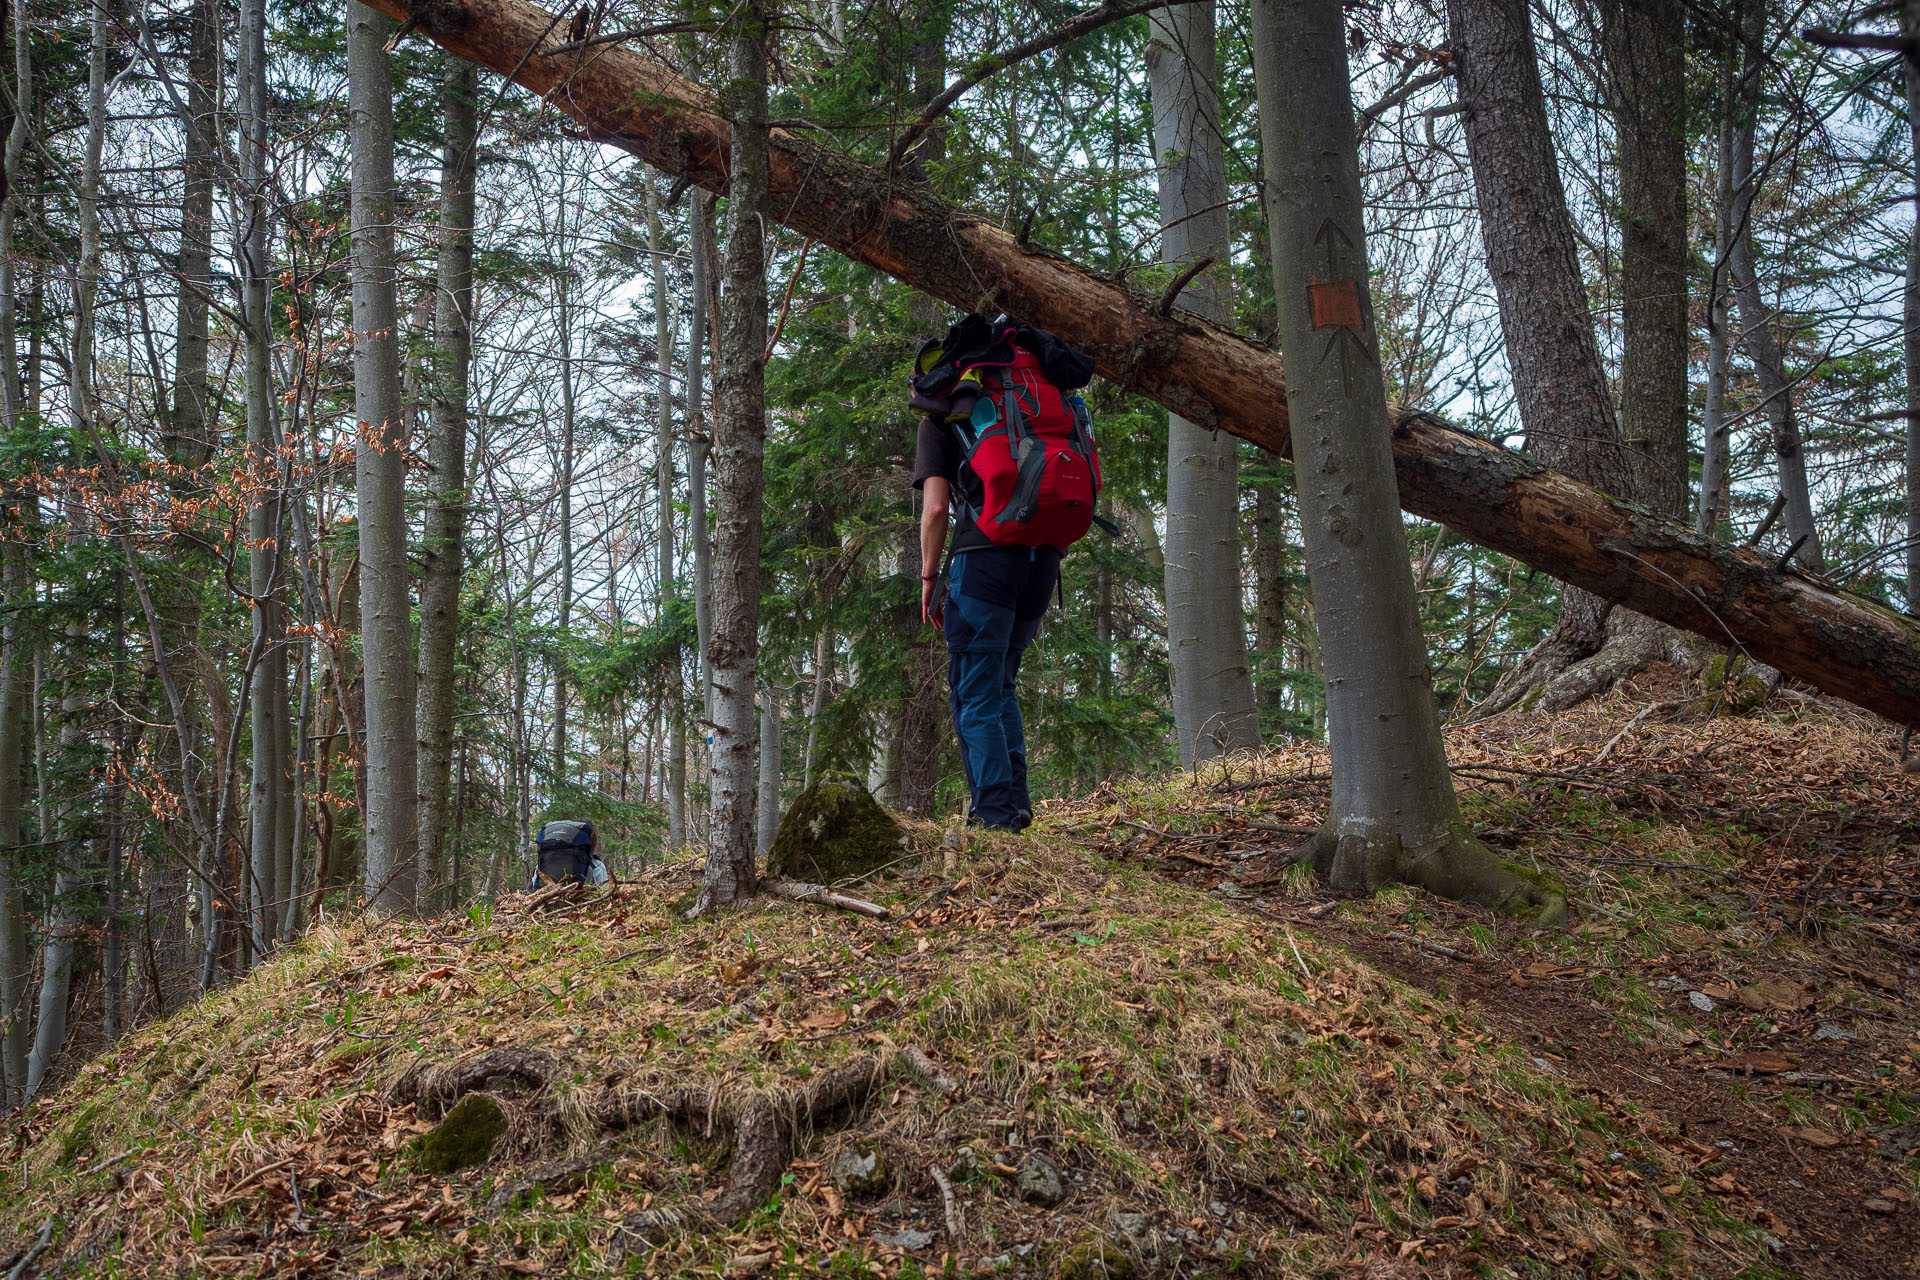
x=996 y=597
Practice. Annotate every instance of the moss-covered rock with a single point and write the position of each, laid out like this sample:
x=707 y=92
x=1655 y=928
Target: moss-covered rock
x=1095 y=1258
x=833 y=830
x=1729 y=688
x=466 y=1136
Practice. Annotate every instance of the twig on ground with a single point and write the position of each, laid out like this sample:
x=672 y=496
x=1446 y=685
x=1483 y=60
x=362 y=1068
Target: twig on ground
x=930 y=1071
x=1628 y=728
x=1296 y=955
x=1437 y=948
x=108 y=1163
x=1164 y=835
x=1325 y=909
x=820 y=895
x=956 y=1218
x=1068 y=922
x=31 y=1258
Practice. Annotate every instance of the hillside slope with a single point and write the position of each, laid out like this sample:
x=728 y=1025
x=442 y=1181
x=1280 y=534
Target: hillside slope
x=1121 y=1045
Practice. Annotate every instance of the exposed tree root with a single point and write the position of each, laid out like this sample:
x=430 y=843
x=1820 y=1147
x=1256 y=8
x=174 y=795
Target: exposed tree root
x=434 y=1088
x=1457 y=866
x=763 y=1126
x=1563 y=671
x=555 y=1175
x=764 y=1131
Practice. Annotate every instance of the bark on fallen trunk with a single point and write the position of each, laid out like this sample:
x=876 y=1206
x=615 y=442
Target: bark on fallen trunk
x=1841 y=643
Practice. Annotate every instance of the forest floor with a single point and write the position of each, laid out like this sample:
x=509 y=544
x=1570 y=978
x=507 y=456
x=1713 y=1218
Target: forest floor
x=1127 y=1043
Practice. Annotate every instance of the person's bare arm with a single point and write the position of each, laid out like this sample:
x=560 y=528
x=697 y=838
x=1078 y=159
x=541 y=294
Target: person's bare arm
x=935 y=492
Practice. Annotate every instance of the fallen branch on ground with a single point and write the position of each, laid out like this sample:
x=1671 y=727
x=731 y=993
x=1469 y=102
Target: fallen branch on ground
x=930 y=1071
x=821 y=895
x=1437 y=948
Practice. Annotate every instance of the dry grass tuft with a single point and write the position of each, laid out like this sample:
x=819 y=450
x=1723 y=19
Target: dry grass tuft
x=1217 y=1093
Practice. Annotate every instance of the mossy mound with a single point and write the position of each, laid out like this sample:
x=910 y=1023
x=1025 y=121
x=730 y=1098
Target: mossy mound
x=834 y=830
x=465 y=1137
x=1095 y=1258
x=1731 y=689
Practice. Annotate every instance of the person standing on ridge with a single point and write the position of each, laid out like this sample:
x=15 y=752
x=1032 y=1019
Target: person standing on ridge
x=1006 y=446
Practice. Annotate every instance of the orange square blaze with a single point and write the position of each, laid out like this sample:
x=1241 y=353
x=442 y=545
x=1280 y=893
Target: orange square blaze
x=1336 y=304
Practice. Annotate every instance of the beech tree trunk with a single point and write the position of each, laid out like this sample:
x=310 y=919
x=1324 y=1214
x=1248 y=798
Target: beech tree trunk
x=563 y=278
x=16 y=588
x=739 y=446
x=1715 y=455
x=380 y=479
x=60 y=941
x=676 y=699
x=1756 y=318
x=1394 y=816
x=1845 y=644
x=1645 y=42
x=1213 y=710
x=770 y=761
x=444 y=552
x=1910 y=348
x=16 y=591
x=268 y=690
x=706 y=271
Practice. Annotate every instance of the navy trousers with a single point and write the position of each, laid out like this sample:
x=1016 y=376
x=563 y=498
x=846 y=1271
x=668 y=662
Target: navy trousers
x=996 y=597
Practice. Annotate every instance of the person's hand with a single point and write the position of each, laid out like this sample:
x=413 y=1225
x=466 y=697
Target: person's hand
x=930 y=606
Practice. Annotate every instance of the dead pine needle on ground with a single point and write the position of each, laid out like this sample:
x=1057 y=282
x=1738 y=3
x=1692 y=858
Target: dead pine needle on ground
x=1107 y=1040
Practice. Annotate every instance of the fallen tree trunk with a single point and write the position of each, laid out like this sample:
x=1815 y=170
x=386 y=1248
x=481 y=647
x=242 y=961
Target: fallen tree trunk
x=1841 y=643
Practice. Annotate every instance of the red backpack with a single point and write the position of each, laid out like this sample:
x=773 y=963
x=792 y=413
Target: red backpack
x=1031 y=450
x=1030 y=472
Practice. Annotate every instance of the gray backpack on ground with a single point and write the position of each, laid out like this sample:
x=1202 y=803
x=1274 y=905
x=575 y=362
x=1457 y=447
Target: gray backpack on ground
x=568 y=853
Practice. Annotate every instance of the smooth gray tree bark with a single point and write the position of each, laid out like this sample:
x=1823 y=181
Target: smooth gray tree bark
x=1213 y=708
x=392 y=808
x=1715 y=455
x=769 y=821
x=706 y=273
x=563 y=268
x=16 y=648
x=1756 y=318
x=1910 y=346
x=739 y=446
x=1394 y=816
x=15 y=660
x=444 y=553
x=59 y=944
x=676 y=692
x=268 y=692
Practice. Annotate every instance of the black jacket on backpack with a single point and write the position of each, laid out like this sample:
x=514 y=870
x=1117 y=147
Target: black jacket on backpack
x=568 y=853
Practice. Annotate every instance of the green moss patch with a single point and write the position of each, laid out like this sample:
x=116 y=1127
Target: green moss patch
x=835 y=831
x=465 y=1138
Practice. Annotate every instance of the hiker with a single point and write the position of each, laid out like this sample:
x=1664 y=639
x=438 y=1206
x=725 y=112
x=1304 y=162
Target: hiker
x=1007 y=447
x=567 y=851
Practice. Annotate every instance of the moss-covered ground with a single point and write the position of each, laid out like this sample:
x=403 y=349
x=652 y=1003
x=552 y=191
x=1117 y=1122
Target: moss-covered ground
x=1230 y=1080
